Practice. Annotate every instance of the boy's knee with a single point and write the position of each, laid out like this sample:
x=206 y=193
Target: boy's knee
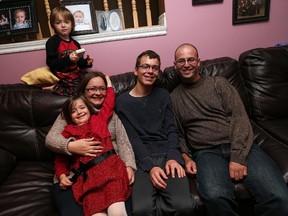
x=186 y=208
x=142 y=210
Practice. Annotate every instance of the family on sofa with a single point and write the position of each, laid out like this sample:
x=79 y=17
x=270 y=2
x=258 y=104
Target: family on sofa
x=28 y=113
x=215 y=141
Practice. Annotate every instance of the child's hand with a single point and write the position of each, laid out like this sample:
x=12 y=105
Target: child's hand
x=64 y=182
x=89 y=60
x=109 y=84
x=73 y=57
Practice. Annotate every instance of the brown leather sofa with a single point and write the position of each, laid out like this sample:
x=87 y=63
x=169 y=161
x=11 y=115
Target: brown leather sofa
x=27 y=113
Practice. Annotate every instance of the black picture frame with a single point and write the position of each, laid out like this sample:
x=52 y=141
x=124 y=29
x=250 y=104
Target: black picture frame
x=89 y=25
x=250 y=11
x=8 y=24
x=199 y=2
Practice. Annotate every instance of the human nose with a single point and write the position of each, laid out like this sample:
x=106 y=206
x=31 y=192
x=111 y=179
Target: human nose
x=150 y=69
x=186 y=63
x=97 y=91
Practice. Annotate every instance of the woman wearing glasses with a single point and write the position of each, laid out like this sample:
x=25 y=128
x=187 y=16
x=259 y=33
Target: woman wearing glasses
x=93 y=87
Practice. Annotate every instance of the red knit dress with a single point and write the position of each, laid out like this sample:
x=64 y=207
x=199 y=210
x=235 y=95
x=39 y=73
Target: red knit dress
x=107 y=182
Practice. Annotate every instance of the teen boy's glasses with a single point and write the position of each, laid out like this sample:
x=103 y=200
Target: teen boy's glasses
x=147 y=67
x=190 y=61
x=95 y=89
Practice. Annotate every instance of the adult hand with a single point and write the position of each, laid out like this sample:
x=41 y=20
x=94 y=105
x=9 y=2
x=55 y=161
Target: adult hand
x=237 y=171
x=131 y=175
x=86 y=147
x=157 y=176
x=173 y=165
x=190 y=165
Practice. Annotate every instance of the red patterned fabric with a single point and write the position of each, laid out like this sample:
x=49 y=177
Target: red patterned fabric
x=107 y=182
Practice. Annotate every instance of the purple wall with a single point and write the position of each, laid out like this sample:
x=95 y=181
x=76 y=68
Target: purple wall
x=209 y=27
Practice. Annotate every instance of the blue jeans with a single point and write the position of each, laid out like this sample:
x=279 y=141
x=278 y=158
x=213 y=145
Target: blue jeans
x=264 y=182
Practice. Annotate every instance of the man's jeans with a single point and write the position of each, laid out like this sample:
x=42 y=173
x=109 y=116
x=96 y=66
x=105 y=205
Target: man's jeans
x=264 y=181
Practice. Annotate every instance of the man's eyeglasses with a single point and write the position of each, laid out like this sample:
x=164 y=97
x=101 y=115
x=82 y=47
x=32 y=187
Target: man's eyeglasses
x=147 y=67
x=95 y=89
x=190 y=61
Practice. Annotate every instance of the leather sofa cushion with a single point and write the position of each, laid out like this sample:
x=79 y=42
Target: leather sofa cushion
x=265 y=73
x=29 y=114
x=27 y=190
x=278 y=128
x=7 y=164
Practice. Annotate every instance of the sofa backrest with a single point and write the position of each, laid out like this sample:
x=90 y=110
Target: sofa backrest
x=27 y=114
x=265 y=72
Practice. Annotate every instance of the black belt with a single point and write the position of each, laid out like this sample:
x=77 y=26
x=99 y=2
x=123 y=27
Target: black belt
x=85 y=167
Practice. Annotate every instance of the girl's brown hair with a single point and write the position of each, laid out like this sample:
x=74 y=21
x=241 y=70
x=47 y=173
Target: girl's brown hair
x=68 y=104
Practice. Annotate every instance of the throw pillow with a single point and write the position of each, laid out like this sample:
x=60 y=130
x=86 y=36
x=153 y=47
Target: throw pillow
x=7 y=164
x=40 y=77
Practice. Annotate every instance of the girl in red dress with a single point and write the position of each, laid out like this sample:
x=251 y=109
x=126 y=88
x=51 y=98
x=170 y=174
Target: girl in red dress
x=104 y=187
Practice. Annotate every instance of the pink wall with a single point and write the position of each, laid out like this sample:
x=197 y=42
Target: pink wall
x=209 y=27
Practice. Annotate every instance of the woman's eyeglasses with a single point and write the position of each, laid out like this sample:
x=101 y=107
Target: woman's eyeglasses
x=95 y=89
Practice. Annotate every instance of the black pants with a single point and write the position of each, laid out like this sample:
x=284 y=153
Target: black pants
x=150 y=201
x=66 y=204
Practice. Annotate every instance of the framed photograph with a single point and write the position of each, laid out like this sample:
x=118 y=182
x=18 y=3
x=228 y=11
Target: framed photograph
x=109 y=20
x=18 y=17
x=84 y=16
x=247 y=11
x=198 y=2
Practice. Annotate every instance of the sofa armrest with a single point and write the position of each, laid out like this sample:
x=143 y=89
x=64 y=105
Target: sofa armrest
x=7 y=163
x=275 y=149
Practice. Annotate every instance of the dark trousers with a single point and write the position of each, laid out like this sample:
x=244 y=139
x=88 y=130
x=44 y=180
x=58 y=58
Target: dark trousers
x=66 y=204
x=175 y=200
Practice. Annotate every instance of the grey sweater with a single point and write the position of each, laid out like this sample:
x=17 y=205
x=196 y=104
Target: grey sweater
x=210 y=113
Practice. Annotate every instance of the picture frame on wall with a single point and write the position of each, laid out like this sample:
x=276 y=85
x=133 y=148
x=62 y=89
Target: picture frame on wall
x=199 y=2
x=18 y=17
x=247 y=11
x=84 y=16
x=109 y=21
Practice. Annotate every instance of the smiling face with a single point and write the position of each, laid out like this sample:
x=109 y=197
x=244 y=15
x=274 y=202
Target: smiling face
x=95 y=91
x=79 y=112
x=187 y=63
x=147 y=71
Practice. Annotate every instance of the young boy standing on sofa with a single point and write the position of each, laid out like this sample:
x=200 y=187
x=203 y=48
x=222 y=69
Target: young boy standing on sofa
x=216 y=135
x=60 y=53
